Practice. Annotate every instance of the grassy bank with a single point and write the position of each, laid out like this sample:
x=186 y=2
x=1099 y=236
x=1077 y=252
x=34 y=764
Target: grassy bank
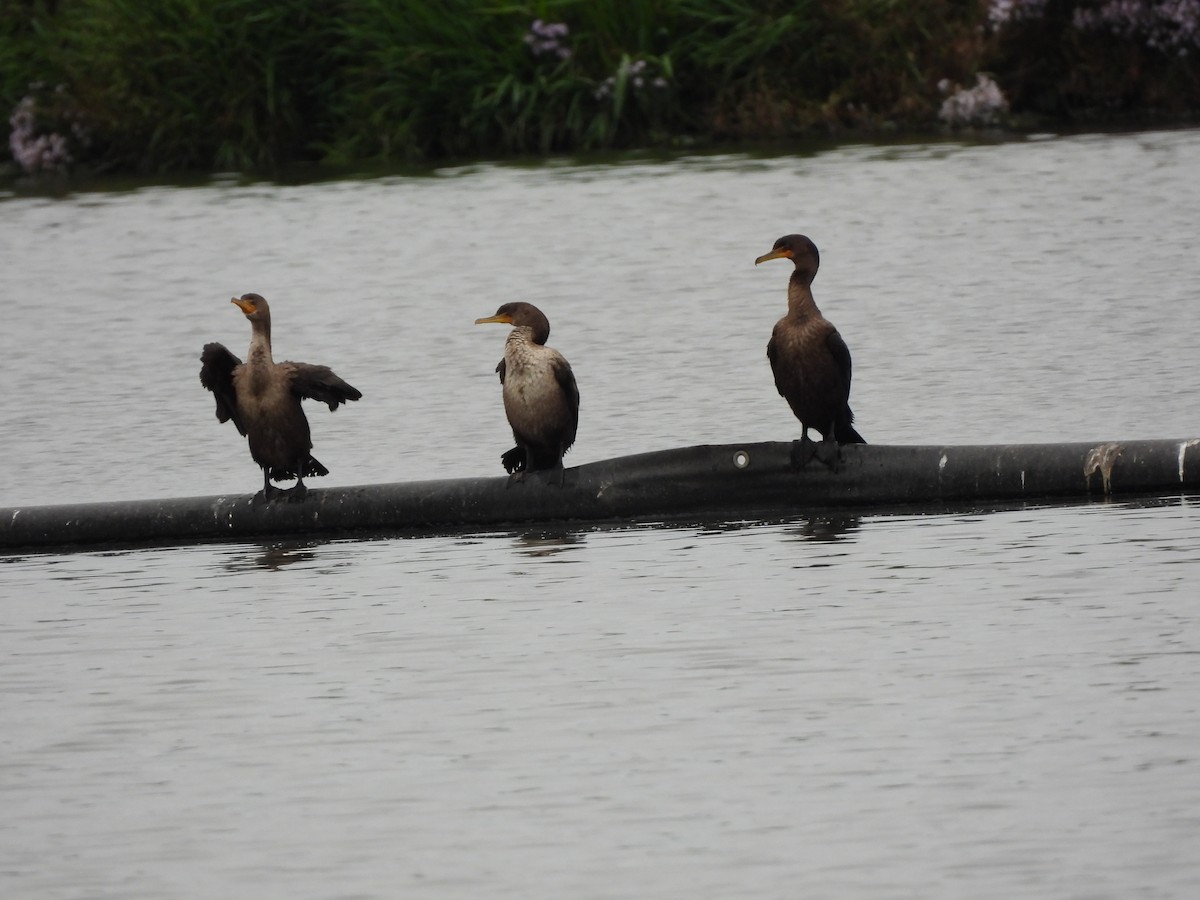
x=256 y=85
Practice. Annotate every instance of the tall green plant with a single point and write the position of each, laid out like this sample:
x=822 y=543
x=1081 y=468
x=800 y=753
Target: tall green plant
x=27 y=62
x=470 y=76
x=178 y=84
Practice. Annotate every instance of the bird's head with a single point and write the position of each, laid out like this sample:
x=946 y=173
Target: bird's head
x=800 y=250
x=254 y=306
x=521 y=315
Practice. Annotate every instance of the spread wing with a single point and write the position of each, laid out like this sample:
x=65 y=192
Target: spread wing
x=841 y=355
x=216 y=374
x=319 y=383
x=566 y=380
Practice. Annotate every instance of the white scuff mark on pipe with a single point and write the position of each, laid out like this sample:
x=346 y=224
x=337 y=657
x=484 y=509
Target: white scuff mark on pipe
x=1022 y=481
x=1183 y=449
x=1102 y=459
x=942 y=464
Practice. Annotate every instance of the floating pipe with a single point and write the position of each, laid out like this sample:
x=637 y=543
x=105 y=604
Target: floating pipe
x=710 y=481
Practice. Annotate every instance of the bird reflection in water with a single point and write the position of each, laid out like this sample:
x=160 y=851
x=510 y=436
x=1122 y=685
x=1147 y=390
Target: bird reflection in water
x=546 y=543
x=823 y=526
x=834 y=526
x=275 y=556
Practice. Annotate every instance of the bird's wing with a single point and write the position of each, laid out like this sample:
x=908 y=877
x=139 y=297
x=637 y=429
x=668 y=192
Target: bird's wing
x=841 y=355
x=773 y=356
x=772 y=349
x=216 y=374
x=566 y=380
x=501 y=368
x=319 y=383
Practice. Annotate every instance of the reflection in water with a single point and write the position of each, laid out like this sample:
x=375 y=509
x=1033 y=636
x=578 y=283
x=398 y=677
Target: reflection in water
x=543 y=543
x=831 y=526
x=827 y=525
x=274 y=555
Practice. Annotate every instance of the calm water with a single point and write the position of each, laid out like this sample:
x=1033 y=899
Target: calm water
x=969 y=702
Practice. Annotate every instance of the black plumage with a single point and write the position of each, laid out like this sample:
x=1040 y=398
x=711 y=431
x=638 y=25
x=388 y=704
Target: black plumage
x=809 y=359
x=262 y=399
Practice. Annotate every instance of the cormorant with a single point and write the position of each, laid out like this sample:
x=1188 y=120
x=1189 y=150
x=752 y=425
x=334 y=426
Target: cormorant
x=810 y=360
x=541 y=398
x=262 y=397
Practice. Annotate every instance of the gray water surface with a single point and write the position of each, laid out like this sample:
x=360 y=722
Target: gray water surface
x=950 y=703
x=1035 y=291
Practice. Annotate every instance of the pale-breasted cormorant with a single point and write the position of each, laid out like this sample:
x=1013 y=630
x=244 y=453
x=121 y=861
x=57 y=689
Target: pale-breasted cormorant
x=541 y=398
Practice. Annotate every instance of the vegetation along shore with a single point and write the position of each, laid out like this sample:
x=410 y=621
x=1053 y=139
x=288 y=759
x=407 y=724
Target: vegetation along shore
x=259 y=85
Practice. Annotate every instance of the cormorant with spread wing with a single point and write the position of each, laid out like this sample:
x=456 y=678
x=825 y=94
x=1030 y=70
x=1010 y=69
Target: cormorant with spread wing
x=262 y=398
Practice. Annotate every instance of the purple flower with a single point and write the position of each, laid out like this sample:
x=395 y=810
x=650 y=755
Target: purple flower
x=638 y=74
x=48 y=151
x=1167 y=25
x=980 y=105
x=1001 y=12
x=548 y=39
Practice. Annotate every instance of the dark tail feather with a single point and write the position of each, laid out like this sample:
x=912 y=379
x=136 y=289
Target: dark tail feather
x=312 y=467
x=844 y=432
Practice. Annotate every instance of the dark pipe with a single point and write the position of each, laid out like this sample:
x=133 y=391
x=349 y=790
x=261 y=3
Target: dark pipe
x=707 y=481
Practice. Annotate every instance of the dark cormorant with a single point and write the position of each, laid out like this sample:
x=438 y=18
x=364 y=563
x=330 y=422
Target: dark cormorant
x=810 y=360
x=262 y=397
x=541 y=398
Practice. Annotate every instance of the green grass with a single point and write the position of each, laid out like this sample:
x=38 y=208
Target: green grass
x=257 y=85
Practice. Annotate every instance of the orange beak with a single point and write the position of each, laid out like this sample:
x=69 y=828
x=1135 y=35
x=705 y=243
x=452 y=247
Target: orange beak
x=778 y=253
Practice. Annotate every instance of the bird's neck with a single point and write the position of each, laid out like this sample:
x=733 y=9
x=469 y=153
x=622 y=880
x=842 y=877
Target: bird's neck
x=520 y=346
x=260 y=345
x=800 y=298
x=519 y=337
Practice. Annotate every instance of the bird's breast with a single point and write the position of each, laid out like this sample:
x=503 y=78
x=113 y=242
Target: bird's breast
x=533 y=398
x=263 y=396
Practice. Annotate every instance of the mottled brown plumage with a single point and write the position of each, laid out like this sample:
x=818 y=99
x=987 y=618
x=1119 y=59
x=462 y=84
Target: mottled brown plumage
x=809 y=359
x=262 y=398
x=541 y=398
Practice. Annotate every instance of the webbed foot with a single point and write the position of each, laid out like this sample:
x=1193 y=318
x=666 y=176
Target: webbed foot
x=802 y=451
x=514 y=460
x=829 y=452
x=269 y=494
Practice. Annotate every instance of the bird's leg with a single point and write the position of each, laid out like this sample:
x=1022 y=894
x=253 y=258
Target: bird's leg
x=268 y=491
x=829 y=451
x=803 y=450
x=299 y=492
